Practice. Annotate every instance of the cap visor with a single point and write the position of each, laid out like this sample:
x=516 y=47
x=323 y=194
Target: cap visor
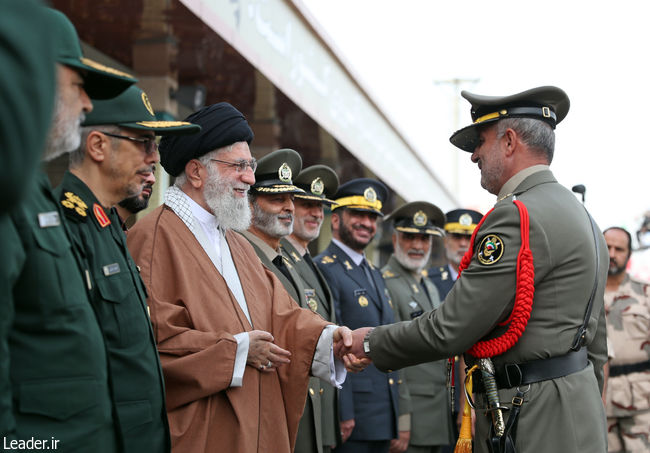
x=306 y=196
x=165 y=127
x=278 y=189
x=101 y=82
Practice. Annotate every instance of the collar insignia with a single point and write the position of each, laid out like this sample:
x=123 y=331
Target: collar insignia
x=101 y=216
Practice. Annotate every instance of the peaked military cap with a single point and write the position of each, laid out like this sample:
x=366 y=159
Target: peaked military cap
x=275 y=172
x=548 y=103
x=318 y=182
x=132 y=109
x=462 y=221
x=418 y=217
x=362 y=194
x=100 y=82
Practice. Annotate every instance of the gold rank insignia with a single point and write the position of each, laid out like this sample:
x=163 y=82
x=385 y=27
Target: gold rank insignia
x=370 y=195
x=295 y=256
x=414 y=287
x=445 y=275
x=348 y=266
x=317 y=186
x=312 y=304
x=390 y=302
x=76 y=204
x=388 y=274
x=419 y=219
x=326 y=260
x=363 y=301
x=284 y=173
x=490 y=250
x=147 y=104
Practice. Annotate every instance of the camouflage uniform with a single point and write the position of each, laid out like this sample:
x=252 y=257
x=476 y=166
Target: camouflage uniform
x=628 y=394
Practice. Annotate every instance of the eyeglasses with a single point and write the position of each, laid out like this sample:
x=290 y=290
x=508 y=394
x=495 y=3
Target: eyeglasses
x=149 y=143
x=240 y=165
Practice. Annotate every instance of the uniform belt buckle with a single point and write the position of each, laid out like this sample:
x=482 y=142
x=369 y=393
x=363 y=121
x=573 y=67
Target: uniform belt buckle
x=514 y=375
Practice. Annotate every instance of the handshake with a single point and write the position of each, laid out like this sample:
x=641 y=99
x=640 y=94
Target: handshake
x=348 y=347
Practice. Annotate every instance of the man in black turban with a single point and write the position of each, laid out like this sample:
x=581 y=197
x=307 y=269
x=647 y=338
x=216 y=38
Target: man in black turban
x=226 y=383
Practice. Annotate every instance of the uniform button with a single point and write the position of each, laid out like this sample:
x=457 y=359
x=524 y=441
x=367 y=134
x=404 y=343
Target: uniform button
x=138 y=268
x=391 y=381
x=390 y=371
x=399 y=381
x=311 y=392
x=321 y=391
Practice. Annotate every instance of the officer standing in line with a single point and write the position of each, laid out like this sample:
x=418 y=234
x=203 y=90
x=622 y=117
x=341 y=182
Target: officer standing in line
x=414 y=226
x=627 y=302
x=318 y=182
x=57 y=363
x=132 y=205
x=368 y=402
x=531 y=296
x=116 y=155
x=271 y=200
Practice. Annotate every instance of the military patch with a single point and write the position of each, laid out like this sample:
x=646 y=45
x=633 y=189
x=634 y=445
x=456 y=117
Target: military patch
x=75 y=207
x=101 y=216
x=326 y=260
x=312 y=304
x=388 y=274
x=363 y=301
x=490 y=250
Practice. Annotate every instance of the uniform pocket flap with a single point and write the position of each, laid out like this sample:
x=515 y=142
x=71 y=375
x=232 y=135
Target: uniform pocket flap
x=134 y=413
x=50 y=240
x=114 y=288
x=58 y=399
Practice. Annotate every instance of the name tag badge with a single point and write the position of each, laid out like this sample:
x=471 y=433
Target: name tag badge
x=309 y=292
x=48 y=219
x=111 y=269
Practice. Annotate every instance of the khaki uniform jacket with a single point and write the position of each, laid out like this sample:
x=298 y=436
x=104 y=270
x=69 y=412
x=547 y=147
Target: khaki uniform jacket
x=628 y=328
x=319 y=299
x=57 y=360
x=563 y=414
x=195 y=317
x=426 y=384
x=310 y=438
x=118 y=296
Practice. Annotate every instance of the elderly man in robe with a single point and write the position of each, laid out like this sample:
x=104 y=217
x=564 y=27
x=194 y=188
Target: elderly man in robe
x=236 y=350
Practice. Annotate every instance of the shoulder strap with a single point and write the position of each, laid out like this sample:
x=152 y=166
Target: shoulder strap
x=580 y=338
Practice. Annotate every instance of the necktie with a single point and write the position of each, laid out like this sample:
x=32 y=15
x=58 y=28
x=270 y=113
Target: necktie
x=366 y=270
x=279 y=263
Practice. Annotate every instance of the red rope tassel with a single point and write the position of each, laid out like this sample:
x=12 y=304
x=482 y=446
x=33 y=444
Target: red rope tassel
x=524 y=294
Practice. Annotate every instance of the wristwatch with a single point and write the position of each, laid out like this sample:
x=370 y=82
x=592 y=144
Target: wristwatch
x=366 y=343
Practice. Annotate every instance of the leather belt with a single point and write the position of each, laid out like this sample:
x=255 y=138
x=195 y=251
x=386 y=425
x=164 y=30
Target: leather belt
x=617 y=370
x=516 y=374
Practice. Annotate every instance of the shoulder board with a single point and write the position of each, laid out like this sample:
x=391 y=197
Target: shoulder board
x=327 y=259
x=74 y=207
x=388 y=274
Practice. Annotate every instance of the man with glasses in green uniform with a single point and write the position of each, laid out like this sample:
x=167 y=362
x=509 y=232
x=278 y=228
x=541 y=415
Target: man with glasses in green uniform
x=116 y=156
x=57 y=364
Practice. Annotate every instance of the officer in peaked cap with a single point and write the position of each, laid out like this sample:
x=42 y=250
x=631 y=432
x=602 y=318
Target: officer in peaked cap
x=115 y=159
x=275 y=172
x=368 y=402
x=533 y=272
x=414 y=226
x=319 y=182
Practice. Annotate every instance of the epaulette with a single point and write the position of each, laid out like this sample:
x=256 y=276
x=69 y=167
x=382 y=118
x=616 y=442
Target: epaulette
x=388 y=274
x=75 y=208
x=327 y=259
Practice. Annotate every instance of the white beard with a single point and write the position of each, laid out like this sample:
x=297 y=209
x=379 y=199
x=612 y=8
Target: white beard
x=231 y=212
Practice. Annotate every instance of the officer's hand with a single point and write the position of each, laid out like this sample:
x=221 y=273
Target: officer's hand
x=400 y=444
x=354 y=365
x=263 y=354
x=346 y=429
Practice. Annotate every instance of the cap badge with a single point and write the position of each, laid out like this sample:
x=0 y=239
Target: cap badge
x=490 y=250
x=465 y=220
x=420 y=219
x=370 y=195
x=147 y=104
x=317 y=186
x=284 y=173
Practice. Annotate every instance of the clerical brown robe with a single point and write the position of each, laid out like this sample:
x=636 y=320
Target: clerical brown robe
x=195 y=316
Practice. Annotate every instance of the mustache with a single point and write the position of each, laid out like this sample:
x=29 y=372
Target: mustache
x=362 y=227
x=415 y=252
x=285 y=217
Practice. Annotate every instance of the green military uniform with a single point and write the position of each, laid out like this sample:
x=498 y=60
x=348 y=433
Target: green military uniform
x=628 y=387
x=425 y=385
x=559 y=413
x=274 y=175
x=118 y=296
x=58 y=364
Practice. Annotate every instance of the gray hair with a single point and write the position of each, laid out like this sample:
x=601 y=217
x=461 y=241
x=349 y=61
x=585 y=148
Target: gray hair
x=77 y=156
x=181 y=179
x=536 y=134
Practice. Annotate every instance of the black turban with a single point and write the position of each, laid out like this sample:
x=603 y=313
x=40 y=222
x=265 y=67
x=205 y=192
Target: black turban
x=221 y=125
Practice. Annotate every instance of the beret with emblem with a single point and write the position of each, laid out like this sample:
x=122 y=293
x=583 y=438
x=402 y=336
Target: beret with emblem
x=462 y=221
x=548 y=103
x=100 y=82
x=275 y=171
x=418 y=217
x=221 y=125
x=362 y=194
x=318 y=182
x=132 y=109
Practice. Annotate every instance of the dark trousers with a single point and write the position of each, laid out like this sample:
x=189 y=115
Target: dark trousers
x=371 y=446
